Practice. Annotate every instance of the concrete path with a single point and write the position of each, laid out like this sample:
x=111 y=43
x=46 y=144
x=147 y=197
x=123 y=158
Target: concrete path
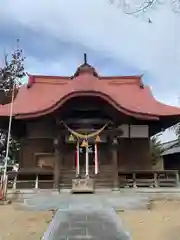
x=92 y=216
x=66 y=201
x=88 y=216
x=90 y=224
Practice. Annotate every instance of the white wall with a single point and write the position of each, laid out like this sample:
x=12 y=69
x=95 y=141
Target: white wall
x=136 y=131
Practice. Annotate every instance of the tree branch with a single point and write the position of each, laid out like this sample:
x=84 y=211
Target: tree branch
x=145 y=6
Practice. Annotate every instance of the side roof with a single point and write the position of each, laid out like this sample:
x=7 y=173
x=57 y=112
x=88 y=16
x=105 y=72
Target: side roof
x=44 y=94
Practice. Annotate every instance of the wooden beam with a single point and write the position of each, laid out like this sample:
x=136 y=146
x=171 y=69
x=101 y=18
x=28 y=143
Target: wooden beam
x=86 y=121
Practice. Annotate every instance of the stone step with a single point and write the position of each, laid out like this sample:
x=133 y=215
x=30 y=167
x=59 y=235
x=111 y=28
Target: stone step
x=101 y=186
x=103 y=179
x=66 y=177
x=96 y=182
x=65 y=186
x=99 y=183
x=90 y=169
x=91 y=175
x=95 y=179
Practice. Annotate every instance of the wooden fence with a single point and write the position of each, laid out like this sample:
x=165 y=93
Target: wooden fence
x=166 y=178
x=127 y=179
x=29 y=181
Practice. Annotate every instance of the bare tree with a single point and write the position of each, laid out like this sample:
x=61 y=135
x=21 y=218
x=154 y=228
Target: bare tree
x=135 y=7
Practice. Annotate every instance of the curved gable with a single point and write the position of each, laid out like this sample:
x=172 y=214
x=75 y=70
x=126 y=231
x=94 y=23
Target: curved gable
x=44 y=94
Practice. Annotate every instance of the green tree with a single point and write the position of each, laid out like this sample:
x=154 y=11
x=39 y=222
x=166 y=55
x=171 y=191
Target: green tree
x=14 y=148
x=176 y=130
x=13 y=70
x=10 y=80
x=156 y=150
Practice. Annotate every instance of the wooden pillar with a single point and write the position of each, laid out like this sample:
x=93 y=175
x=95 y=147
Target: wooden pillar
x=156 y=180
x=14 y=182
x=37 y=182
x=115 y=165
x=177 y=179
x=57 y=163
x=21 y=155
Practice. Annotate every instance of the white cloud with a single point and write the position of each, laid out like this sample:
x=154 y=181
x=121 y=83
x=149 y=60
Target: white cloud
x=151 y=48
x=98 y=25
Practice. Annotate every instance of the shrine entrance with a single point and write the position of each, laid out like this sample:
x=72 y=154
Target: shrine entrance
x=88 y=124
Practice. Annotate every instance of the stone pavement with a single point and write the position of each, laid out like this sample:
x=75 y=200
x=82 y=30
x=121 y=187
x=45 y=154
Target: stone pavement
x=92 y=216
x=66 y=201
x=86 y=224
x=87 y=216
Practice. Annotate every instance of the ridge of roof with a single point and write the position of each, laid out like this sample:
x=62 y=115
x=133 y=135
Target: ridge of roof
x=100 y=77
x=121 y=77
x=50 y=79
x=84 y=68
x=49 y=76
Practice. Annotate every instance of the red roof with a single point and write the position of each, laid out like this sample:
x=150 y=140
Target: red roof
x=44 y=94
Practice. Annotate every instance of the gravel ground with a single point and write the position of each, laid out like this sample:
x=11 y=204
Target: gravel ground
x=17 y=223
x=161 y=222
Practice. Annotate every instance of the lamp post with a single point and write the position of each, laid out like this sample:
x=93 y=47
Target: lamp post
x=8 y=143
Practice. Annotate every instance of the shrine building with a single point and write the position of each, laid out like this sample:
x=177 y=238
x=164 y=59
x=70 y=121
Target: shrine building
x=85 y=125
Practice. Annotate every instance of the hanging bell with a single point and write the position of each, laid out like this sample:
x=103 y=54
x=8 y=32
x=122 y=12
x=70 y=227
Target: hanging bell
x=97 y=139
x=84 y=143
x=71 y=138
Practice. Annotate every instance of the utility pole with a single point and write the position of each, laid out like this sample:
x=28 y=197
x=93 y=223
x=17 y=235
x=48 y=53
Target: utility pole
x=5 y=180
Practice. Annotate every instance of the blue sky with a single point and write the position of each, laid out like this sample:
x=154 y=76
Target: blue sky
x=55 y=34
